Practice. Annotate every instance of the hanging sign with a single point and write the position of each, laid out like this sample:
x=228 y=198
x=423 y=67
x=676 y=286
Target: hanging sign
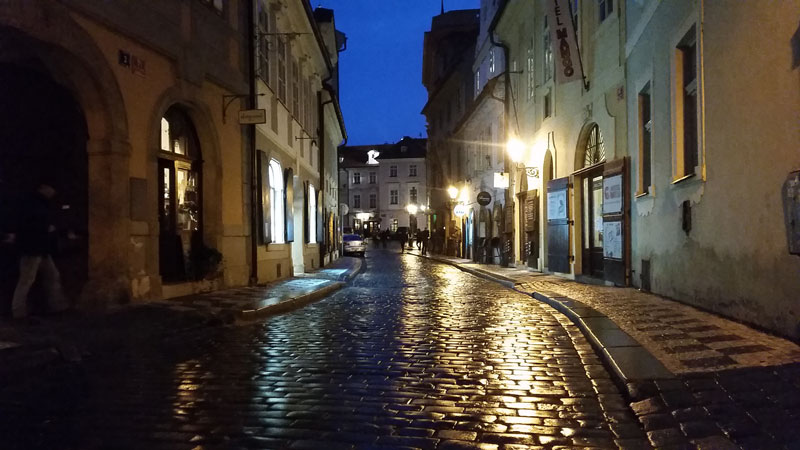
x=460 y=210
x=252 y=116
x=484 y=198
x=565 y=46
x=501 y=180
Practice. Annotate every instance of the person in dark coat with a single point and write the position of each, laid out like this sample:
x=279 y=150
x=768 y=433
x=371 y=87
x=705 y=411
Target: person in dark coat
x=424 y=236
x=403 y=237
x=36 y=239
x=385 y=237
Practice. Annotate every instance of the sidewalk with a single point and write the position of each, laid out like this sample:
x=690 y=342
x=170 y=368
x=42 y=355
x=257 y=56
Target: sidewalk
x=71 y=337
x=692 y=375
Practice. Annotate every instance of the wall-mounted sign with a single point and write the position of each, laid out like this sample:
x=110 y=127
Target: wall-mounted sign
x=557 y=205
x=252 y=116
x=612 y=194
x=501 y=180
x=612 y=240
x=484 y=198
x=460 y=210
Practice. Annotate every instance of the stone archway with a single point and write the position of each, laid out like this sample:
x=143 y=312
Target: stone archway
x=43 y=35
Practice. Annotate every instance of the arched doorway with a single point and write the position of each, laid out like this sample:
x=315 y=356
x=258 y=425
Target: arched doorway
x=43 y=136
x=180 y=197
x=593 y=157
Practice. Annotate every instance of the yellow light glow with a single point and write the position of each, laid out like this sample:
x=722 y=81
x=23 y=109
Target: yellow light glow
x=452 y=191
x=412 y=209
x=516 y=149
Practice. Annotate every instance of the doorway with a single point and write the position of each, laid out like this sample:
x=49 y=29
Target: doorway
x=592 y=185
x=180 y=197
x=43 y=140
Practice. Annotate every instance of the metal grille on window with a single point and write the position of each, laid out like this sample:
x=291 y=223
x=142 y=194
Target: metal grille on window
x=595 y=151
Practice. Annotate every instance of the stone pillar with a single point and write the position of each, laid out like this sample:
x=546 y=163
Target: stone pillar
x=109 y=221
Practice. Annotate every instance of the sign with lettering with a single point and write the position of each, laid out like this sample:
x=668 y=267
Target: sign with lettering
x=612 y=240
x=460 y=210
x=252 y=116
x=565 y=46
x=484 y=198
x=612 y=194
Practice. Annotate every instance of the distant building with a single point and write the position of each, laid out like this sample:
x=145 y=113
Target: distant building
x=378 y=183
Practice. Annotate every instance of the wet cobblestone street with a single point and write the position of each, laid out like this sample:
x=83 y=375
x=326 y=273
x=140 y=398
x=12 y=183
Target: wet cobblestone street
x=411 y=354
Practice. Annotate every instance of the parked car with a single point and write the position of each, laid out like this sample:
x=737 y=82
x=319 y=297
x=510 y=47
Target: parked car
x=354 y=243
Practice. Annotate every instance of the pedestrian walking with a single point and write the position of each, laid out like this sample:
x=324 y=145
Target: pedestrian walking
x=424 y=237
x=403 y=237
x=385 y=237
x=36 y=240
x=419 y=239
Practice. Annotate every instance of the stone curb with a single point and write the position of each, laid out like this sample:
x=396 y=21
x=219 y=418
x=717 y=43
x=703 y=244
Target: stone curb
x=352 y=274
x=291 y=303
x=627 y=360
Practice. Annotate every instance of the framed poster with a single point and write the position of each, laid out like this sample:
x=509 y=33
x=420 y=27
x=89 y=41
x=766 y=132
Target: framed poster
x=612 y=194
x=557 y=205
x=612 y=240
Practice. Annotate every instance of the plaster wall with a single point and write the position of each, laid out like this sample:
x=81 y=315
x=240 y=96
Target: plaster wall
x=734 y=260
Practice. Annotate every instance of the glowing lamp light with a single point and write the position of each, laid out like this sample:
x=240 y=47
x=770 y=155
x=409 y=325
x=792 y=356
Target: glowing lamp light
x=516 y=149
x=363 y=216
x=452 y=191
x=412 y=209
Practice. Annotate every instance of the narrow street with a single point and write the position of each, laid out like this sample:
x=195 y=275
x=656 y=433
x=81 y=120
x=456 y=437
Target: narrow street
x=412 y=354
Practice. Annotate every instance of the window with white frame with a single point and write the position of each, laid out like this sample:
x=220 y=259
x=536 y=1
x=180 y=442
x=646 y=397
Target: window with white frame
x=412 y=170
x=530 y=70
x=687 y=107
x=356 y=177
x=547 y=52
x=373 y=201
x=605 y=8
x=263 y=44
x=373 y=178
x=392 y=171
x=312 y=214
x=281 y=69
x=394 y=197
x=276 y=201
x=356 y=200
x=645 y=133
x=412 y=195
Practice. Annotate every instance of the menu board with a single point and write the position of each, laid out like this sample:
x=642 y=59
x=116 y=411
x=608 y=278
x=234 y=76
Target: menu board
x=612 y=240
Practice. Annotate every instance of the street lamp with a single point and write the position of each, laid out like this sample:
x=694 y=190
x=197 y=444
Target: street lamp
x=516 y=151
x=452 y=191
x=412 y=209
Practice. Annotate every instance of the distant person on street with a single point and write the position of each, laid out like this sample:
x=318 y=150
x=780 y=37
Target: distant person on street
x=36 y=239
x=424 y=237
x=385 y=238
x=403 y=237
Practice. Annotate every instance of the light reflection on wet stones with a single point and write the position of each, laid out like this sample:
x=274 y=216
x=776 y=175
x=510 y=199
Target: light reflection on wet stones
x=411 y=354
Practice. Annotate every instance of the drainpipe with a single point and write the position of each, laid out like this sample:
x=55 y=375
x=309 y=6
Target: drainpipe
x=506 y=108
x=251 y=134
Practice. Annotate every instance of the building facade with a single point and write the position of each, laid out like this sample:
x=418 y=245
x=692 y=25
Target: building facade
x=384 y=186
x=143 y=139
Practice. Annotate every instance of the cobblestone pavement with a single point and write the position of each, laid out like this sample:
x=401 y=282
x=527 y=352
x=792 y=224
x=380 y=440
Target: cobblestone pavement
x=413 y=354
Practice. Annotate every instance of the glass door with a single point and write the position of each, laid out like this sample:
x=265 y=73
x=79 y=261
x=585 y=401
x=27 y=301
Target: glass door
x=593 y=224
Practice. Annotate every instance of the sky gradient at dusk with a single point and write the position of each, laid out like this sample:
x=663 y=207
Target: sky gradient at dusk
x=381 y=70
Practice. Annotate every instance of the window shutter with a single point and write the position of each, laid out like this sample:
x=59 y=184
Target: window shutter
x=288 y=203
x=306 y=234
x=263 y=176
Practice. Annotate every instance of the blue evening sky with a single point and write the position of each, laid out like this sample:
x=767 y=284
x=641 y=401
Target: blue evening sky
x=381 y=70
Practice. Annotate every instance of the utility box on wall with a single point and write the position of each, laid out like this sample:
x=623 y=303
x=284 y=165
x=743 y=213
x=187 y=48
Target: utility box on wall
x=791 y=211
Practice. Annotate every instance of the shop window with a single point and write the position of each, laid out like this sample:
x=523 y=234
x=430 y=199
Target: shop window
x=312 y=214
x=393 y=227
x=276 y=201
